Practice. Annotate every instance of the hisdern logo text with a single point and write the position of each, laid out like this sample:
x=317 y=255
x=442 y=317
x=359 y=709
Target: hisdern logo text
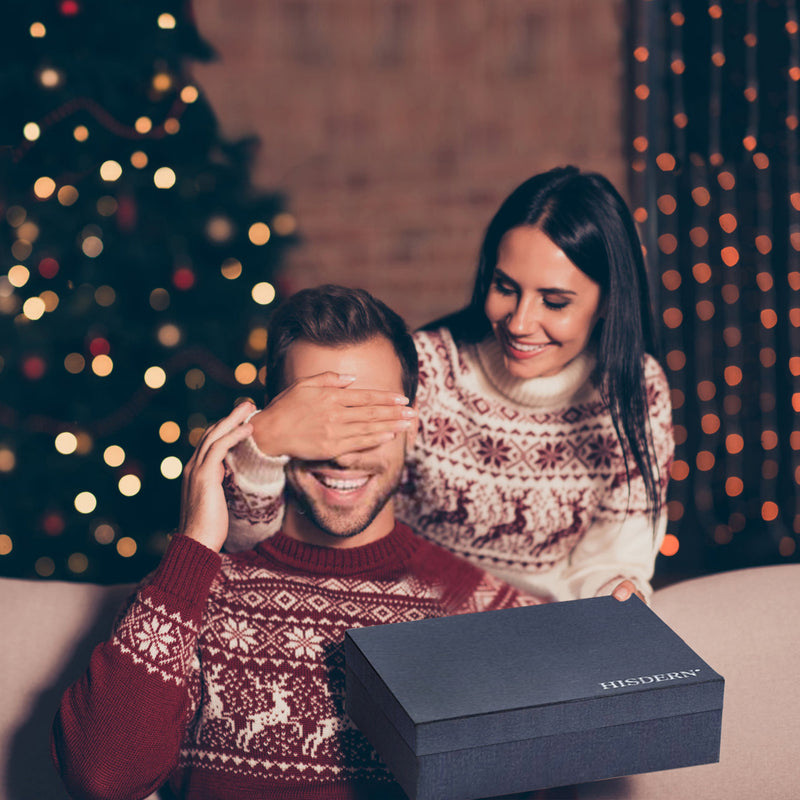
x=643 y=679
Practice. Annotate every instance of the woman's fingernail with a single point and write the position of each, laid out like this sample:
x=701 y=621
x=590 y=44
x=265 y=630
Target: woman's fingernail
x=400 y=400
x=409 y=412
x=345 y=377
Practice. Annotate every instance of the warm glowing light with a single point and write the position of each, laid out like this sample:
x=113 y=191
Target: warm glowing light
x=263 y=293
x=126 y=547
x=726 y=180
x=642 y=91
x=705 y=310
x=749 y=143
x=718 y=58
x=667 y=243
x=139 y=159
x=769 y=440
x=74 y=363
x=640 y=214
x=761 y=160
x=666 y=162
x=18 y=275
x=666 y=204
x=706 y=390
x=673 y=317
x=183 y=278
x=730 y=293
x=66 y=443
x=679 y=470
x=793 y=279
x=169 y=335
x=129 y=485
x=81 y=133
x=763 y=244
x=44 y=566
x=705 y=461
x=794 y=73
x=195 y=379
x=114 y=455
x=7 y=460
x=166 y=21
x=641 y=53
x=6 y=545
x=787 y=546
x=172 y=126
x=104 y=534
x=44 y=187
x=796 y=401
x=102 y=366
x=769 y=511
x=92 y=246
x=259 y=233
x=159 y=299
x=50 y=78
x=767 y=356
x=171 y=467
x=85 y=502
x=728 y=222
x=33 y=308
x=732 y=336
x=701 y=196
x=677 y=19
x=189 y=94
x=78 y=563
x=750 y=39
x=681 y=120
x=698 y=236
x=110 y=171
x=231 y=268
x=792 y=122
x=257 y=340
x=164 y=178
x=709 y=423
x=750 y=94
x=670 y=545
x=169 y=432
x=676 y=360
x=794 y=238
x=284 y=224
x=730 y=256
x=677 y=66
x=31 y=131
x=734 y=487
x=37 y=30
x=245 y=373
x=734 y=443
x=162 y=82
x=769 y=319
x=67 y=195
x=155 y=377
x=733 y=375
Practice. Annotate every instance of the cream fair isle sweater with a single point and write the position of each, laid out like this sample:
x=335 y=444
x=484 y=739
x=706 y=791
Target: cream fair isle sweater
x=524 y=478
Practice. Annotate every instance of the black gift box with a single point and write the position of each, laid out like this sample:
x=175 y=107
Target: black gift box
x=484 y=704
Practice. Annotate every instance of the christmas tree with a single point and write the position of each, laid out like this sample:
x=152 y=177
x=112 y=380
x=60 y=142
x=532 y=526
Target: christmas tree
x=136 y=280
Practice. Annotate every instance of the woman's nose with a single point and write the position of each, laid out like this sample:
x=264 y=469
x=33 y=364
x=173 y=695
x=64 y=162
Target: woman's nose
x=523 y=319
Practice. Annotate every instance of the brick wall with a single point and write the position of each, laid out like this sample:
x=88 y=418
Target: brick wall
x=396 y=127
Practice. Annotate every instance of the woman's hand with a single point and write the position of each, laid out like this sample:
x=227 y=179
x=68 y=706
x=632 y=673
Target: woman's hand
x=625 y=589
x=319 y=418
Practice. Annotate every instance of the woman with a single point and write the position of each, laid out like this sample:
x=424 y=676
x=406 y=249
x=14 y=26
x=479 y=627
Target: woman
x=545 y=425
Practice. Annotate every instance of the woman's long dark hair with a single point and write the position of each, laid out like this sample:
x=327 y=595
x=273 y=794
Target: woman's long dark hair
x=585 y=216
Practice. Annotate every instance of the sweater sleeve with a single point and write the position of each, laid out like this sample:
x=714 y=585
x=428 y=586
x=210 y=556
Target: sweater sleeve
x=119 y=728
x=254 y=493
x=614 y=550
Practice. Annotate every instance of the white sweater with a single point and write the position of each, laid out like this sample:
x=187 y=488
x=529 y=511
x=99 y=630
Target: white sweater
x=523 y=477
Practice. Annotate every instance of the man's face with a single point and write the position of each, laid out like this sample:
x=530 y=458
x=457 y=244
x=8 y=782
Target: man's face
x=346 y=498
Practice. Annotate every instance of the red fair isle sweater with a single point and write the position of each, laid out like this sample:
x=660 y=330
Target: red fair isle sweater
x=225 y=675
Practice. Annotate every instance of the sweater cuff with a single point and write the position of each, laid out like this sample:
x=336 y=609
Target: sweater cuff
x=187 y=570
x=254 y=470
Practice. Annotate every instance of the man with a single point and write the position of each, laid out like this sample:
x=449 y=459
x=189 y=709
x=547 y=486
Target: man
x=225 y=676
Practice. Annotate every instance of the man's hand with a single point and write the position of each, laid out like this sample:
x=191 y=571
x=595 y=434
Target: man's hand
x=319 y=418
x=204 y=514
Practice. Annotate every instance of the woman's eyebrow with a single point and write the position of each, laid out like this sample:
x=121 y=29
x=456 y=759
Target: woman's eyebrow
x=498 y=273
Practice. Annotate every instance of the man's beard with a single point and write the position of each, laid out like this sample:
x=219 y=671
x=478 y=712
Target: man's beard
x=350 y=523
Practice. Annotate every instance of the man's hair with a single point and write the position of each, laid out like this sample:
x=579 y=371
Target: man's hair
x=335 y=316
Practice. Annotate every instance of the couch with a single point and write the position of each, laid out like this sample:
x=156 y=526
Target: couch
x=743 y=623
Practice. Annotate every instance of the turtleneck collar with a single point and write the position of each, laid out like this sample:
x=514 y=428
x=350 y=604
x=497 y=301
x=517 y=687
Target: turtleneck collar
x=567 y=386
x=390 y=552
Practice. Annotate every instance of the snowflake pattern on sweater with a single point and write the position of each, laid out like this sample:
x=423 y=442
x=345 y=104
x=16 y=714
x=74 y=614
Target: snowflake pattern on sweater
x=253 y=667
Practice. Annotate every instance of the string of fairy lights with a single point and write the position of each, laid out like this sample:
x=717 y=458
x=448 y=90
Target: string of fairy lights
x=714 y=181
x=24 y=301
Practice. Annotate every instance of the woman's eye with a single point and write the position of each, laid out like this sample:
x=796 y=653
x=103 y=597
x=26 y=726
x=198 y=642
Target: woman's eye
x=556 y=305
x=503 y=288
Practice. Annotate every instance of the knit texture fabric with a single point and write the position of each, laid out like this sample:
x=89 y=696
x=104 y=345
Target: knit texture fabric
x=525 y=478
x=225 y=675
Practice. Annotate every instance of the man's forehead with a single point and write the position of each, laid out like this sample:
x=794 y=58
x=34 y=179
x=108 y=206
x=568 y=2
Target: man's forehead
x=374 y=363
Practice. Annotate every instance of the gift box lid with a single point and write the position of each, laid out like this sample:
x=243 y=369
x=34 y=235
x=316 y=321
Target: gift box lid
x=476 y=679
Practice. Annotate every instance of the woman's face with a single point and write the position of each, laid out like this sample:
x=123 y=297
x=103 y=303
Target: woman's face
x=542 y=308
